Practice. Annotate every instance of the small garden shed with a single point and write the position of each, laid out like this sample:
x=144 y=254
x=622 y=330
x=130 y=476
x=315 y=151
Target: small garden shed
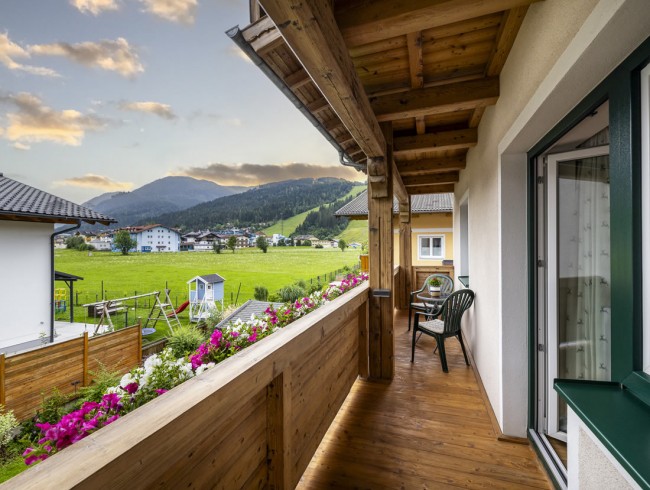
x=204 y=292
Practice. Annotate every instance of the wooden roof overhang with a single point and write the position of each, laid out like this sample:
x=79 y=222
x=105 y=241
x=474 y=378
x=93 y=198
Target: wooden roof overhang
x=427 y=67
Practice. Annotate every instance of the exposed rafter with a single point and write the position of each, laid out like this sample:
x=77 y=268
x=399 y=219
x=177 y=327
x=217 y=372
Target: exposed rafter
x=363 y=22
x=311 y=31
x=452 y=97
x=432 y=189
x=431 y=165
x=446 y=140
x=430 y=179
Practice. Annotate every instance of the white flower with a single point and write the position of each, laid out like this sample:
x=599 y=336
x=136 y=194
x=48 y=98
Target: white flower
x=126 y=379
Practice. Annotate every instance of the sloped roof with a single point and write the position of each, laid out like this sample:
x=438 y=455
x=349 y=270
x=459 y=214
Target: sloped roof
x=420 y=203
x=22 y=202
x=245 y=311
x=208 y=278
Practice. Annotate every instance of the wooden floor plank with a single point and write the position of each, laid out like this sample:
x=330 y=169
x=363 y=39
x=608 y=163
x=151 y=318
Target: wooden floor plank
x=425 y=429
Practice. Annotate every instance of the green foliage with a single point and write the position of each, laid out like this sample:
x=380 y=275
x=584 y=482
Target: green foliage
x=281 y=200
x=261 y=293
x=74 y=242
x=216 y=247
x=262 y=243
x=317 y=286
x=434 y=282
x=291 y=293
x=123 y=242
x=318 y=245
x=53 y=407
x=103 y=379
x=282 y=243
x=322 y=223
x=8 y=425
x=232 y=243
x=185 y=340
x=343 y=245
x=306 y=243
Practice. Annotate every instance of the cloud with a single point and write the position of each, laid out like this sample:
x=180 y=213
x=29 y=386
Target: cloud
x=9 y=51
x=182 y=11
x=236 y=51
x=255 y=174
x=93 y=181
x=161 y=110
x=117 y=55
x=94 y=7
x=33 y=122
x=21 y=146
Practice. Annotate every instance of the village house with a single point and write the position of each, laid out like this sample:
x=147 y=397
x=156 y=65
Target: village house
x=155 y=238
x=27 y=234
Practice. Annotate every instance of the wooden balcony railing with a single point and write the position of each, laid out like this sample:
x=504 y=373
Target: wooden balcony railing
x=254 y=420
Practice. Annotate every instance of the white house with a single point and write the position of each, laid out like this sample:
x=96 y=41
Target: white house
x=277 y=237
x=155 y=238
x=27 y=235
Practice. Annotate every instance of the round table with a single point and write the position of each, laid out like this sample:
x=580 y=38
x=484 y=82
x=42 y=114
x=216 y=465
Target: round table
x=433 y=303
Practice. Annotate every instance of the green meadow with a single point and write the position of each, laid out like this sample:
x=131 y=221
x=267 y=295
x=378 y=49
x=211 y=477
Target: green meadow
x=137 y=273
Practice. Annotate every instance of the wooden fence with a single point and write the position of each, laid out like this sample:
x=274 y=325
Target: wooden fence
x=255 y=420
x=27 y=377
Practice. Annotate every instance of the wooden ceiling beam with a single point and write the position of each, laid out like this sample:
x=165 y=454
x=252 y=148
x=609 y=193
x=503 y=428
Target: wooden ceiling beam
x=460 y=96
x=431 y=165
x=432 y=189
x=430 y=179
x=317 y=106
x=311 y=31
x=416 y=69
x=444 y=140
x=362 y=22
x=297 y=79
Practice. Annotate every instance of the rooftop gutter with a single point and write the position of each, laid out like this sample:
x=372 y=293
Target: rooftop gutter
x=236 y=35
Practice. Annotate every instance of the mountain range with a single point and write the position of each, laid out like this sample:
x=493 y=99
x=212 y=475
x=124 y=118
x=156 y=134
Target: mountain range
x=258 y=206
x=161 y=196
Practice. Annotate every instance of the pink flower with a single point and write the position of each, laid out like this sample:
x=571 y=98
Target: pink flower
x=161 y=391
x=131 y=388
x=216 y=337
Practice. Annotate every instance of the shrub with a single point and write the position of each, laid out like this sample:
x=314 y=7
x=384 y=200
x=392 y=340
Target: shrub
x=261 y=293
x=185 y=340
x=317 y=286
x=318 y=245
x=8 y=425
x=291 y=293
x=53 y=407
x=103 y=379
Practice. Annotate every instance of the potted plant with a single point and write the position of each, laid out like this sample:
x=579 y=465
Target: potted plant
x=434 y=286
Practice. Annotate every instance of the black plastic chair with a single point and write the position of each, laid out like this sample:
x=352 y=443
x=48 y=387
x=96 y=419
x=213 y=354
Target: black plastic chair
x=445 y=324
x=446 y=288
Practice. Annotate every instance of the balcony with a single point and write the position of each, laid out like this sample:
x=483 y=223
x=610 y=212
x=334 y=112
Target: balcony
x=425 y=429
x=263 y=419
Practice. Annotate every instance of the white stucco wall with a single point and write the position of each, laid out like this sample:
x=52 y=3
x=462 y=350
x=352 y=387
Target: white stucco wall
x=25 y=281
x=561 y=53
x=591 y=466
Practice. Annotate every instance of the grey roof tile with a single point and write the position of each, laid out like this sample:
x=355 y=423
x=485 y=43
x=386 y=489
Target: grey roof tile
x=245 y=311
x=420 y=203
x=20 y=199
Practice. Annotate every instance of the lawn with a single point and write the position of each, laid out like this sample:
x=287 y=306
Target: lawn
x=356 y=231
x=139 y=273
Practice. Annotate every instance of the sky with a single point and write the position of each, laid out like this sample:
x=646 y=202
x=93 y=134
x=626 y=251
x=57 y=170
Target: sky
x=108 y=95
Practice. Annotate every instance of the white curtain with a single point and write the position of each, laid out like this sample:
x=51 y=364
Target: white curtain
x=584 y=260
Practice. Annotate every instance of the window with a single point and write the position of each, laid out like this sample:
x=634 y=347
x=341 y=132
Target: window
x=431 y=247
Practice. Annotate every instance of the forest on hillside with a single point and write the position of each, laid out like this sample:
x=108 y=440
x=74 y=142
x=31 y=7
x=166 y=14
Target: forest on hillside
x=322 y=223
x=259 y=206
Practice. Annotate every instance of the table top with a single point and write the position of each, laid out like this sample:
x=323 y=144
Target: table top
x=428 y=298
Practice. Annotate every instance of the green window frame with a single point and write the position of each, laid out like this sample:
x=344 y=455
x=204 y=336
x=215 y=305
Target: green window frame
x=622 y=89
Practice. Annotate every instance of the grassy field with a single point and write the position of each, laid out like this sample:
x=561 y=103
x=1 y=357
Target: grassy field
x=356 y=231
x=139 y=273
x=289 y=225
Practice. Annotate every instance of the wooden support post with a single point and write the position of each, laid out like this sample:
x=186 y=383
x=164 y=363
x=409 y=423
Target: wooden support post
x=2 y=380
x=405 y=256
x=278 y=431
x=363 y=340
x=139 y=353
x=380 y=240
x=86 y=378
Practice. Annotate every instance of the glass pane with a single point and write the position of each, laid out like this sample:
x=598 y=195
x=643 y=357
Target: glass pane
x=437 y=247
x=584 y=297
x=425 y=247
